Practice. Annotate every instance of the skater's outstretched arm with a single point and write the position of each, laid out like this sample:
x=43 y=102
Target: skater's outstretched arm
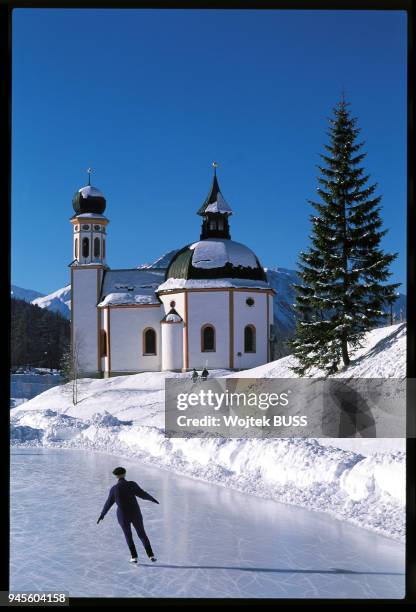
x=142 y=494
x=110 y=501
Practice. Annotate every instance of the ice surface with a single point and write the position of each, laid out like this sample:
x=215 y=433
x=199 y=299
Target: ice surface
x=210 y=541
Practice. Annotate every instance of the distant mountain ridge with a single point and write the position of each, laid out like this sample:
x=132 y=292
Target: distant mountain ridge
x=58 y=301
x=280 y=279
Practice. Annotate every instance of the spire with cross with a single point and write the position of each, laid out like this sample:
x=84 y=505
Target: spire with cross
x=89 y=172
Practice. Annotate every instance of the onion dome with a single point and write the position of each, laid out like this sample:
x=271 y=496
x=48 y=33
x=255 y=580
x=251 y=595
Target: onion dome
x=215 y=258
x=89 y=199
x=215 y=255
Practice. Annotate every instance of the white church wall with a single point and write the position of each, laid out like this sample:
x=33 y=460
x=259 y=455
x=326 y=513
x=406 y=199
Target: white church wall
x=84 y=317
x=126 y=338
x=250 y=315
x=208 y=307
x=178 y=298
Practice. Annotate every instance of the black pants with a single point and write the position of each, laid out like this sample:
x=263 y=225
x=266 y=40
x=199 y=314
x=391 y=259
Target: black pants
x=136 y=519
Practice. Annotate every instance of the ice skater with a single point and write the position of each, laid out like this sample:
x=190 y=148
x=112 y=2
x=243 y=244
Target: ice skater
x=124 y=494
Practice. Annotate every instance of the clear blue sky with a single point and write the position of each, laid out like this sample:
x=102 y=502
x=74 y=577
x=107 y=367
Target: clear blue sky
x=149 y=98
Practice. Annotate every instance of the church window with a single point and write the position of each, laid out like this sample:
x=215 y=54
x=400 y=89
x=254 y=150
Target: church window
x=249 y=339
x=103 y=249
x=85 y=247
x=212 y=224
x=149 y=341
x=103 y=343
x=207 y=338
x=85 y=227
x=97 y=228
x=76 y=249
x=96 y=247
x=250 y=301
x=220 y=224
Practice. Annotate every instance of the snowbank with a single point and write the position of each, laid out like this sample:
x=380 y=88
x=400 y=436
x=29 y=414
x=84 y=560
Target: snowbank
x=125 y=416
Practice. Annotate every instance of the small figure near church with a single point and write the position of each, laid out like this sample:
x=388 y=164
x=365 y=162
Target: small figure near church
x=204 y=374
x=194 y=376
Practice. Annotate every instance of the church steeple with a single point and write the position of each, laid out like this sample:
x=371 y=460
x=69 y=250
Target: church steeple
x=215 y=212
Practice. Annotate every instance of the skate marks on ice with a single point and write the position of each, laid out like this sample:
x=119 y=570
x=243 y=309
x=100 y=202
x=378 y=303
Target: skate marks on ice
x=210 y=541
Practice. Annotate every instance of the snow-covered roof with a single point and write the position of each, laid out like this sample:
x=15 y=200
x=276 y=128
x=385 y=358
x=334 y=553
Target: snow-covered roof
x=217 y=252
x=212 y=283
x=215 y=201
x=132 y=286
x=219 y=205
x=90 y=216
x=90 y=192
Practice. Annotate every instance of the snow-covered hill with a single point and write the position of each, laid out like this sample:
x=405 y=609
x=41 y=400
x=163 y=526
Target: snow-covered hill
x=125 y=416
x=58 y=301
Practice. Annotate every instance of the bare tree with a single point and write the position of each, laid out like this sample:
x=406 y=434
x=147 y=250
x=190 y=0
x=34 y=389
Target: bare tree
x=70 y=367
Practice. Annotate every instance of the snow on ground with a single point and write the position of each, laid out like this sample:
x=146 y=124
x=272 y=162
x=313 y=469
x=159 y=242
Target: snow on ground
x=125 y=415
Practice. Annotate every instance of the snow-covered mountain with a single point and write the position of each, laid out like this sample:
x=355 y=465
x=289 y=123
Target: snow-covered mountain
x=58 y=301
x=24 y=294
x=361 y=481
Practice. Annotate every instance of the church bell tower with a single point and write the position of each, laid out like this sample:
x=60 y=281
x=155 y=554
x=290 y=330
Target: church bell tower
x=87 y=269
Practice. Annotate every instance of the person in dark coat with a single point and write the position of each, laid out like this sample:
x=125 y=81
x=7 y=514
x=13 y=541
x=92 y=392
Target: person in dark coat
x=194 y=375
x=204 y=374
x=124 y=494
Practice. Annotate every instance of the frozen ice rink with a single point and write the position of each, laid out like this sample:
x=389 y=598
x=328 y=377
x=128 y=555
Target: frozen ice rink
x=210 y=541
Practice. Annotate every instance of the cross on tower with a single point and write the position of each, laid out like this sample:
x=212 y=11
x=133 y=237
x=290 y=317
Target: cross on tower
x=215 y=166
x=89 y=171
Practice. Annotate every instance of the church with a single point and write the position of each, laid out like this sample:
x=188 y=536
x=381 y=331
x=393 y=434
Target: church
x=210 y=307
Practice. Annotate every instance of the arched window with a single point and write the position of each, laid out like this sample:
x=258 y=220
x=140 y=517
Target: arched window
x=85 y=247
x=76 y=249
x=103 y=248
x=149 y=341
x=212 y=224
x=249 y=339
x=103 y=343
x=207 y=338
x=96 y=247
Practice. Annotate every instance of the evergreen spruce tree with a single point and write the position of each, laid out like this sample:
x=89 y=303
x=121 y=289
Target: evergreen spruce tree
x=343 y=273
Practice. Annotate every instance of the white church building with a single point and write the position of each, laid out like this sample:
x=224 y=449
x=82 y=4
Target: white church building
x=211 y=306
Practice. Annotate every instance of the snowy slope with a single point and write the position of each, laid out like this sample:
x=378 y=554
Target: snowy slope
x=58 y=301
x=383 y=355
x=125 y=415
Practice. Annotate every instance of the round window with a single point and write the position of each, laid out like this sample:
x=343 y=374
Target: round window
x=85 y=227
x=172 y=304
x=250 y=301
x=97 y=228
